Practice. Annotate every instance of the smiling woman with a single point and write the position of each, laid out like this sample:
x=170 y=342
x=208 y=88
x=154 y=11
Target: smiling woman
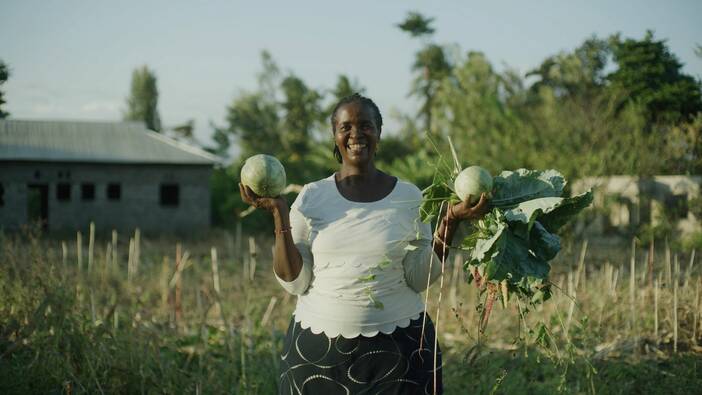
x=353 y=248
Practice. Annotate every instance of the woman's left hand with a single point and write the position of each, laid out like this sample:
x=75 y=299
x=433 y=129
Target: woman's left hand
x=464 y=210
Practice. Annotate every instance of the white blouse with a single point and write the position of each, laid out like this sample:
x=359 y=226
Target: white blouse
x=364 y=264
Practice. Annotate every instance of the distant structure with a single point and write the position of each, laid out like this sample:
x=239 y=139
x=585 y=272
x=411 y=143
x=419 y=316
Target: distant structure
x=118 y=175
x=623 y=203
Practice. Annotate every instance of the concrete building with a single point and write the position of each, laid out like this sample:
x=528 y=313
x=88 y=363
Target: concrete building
x=623 y=203
x=118 y=175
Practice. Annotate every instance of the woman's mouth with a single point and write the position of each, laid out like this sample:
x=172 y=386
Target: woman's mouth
x=356 y=148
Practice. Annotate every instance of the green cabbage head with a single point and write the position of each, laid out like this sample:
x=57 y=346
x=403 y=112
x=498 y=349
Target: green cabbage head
x=264 y=174
x=472 y=181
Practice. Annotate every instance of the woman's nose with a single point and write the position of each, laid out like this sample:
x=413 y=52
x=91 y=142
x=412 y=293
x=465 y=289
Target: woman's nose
x=355 y=131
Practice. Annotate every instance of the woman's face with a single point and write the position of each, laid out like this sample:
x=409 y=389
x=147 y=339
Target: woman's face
x=356 y=133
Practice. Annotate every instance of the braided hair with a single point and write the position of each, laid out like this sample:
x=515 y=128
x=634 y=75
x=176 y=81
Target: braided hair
x=355 y=98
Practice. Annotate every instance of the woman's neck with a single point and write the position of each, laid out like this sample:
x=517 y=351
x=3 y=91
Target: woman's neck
x=358 y=174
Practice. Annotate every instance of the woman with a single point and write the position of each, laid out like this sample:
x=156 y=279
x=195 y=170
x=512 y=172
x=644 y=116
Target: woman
x=354 y=250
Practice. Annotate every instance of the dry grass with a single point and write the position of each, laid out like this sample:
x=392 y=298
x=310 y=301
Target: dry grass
x=207 y=316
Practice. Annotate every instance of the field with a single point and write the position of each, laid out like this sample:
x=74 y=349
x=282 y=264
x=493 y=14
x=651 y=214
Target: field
x=118 y=313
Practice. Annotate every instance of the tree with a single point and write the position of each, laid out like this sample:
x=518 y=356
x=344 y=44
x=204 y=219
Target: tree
x=4 y=75
x=220 y=136
x=185 y=130
x=649 y=74
x=302 y=113
x=255 y=123
x=344 y=87
x=579 y=73
x=142 y=103
x=431 y=65
x=416 y=25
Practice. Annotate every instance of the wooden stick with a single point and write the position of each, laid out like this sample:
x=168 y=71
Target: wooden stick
x=177 y=302
x=656 y=285
x=91 y=246
x=114 y=249
x=165 y=289
x=130 y=261
x=215 y=280
x=651 y=255
x=675 y=305
x=668 y=266
x=581 y=264
x=79 y=250
x=64 y=253
x=108 y=255
x=269 y=310
x=696 y=314
x=632 y=287
x=137 y=250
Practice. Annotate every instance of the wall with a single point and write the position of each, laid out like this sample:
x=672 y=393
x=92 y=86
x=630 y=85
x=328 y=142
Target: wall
x=627 y=202
x=139 y=205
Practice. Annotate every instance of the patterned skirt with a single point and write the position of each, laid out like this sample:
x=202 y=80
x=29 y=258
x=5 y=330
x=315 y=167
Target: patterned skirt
x=383 y=364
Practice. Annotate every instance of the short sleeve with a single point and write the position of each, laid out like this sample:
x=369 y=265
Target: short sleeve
x=300 y=232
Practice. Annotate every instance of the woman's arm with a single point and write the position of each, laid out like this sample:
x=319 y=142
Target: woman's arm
x=449 y=221
x=289 y=256
x=287 y=261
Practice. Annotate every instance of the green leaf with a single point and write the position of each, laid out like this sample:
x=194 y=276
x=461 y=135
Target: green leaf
x=384 y=263
x=542 y=243
x=552 y=212
x=565 y=212
x=513 y=261
x=369 y=277
x=376 y=303
x=514 y=187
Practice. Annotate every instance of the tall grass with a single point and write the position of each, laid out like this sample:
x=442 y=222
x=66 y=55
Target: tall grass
x=203 y=316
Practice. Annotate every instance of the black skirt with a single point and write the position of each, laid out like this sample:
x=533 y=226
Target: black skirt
x=382 y=364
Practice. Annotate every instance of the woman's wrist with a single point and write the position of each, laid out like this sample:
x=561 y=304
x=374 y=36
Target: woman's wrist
x=281 y=218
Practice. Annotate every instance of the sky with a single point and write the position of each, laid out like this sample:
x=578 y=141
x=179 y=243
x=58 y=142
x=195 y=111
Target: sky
x=73 y=59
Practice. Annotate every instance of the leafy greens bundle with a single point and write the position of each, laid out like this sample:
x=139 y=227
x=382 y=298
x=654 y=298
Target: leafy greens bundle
x=510 y=247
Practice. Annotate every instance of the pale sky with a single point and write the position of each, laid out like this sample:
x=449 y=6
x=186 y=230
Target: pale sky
x=73 y=59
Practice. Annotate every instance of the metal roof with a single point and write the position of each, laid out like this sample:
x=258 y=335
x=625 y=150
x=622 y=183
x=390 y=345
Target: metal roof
x=100 y=142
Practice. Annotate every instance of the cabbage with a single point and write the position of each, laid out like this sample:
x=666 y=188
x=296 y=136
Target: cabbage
x=264 y=174
x=472 y=181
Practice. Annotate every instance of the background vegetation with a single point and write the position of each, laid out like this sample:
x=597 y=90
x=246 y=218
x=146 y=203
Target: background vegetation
x=126 y=315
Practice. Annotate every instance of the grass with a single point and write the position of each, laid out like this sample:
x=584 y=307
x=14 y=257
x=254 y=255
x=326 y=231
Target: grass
x=134 y=326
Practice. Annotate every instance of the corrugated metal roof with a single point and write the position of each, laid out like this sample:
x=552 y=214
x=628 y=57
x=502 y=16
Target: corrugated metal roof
x=103 y=142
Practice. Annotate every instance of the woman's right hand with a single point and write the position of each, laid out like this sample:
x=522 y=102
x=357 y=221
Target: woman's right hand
x=268 y=204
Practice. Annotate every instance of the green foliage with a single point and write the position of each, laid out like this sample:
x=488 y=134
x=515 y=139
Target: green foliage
x=570 y=114
x=142 y=103
x=254 y=122
x=649 y=74
x=302 y=115
x=220 y=136
x=4 y=75
x=416 y=25
x=473 y=108
x=431 y=65
x=609 y=106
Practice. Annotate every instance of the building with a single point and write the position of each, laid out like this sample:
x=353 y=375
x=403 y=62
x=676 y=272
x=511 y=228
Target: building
x=117 y=175
x=624 y=203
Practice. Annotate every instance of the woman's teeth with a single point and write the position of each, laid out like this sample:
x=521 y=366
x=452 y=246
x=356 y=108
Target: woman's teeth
x=356 y=147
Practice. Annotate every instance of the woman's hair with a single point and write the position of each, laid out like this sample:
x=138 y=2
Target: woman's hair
x=355 y=98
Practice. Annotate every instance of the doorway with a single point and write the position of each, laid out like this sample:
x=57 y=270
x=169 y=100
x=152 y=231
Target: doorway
x=38 y=204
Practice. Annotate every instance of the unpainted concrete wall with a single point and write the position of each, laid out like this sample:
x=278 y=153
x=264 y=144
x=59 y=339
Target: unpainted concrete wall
x=138 y=207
